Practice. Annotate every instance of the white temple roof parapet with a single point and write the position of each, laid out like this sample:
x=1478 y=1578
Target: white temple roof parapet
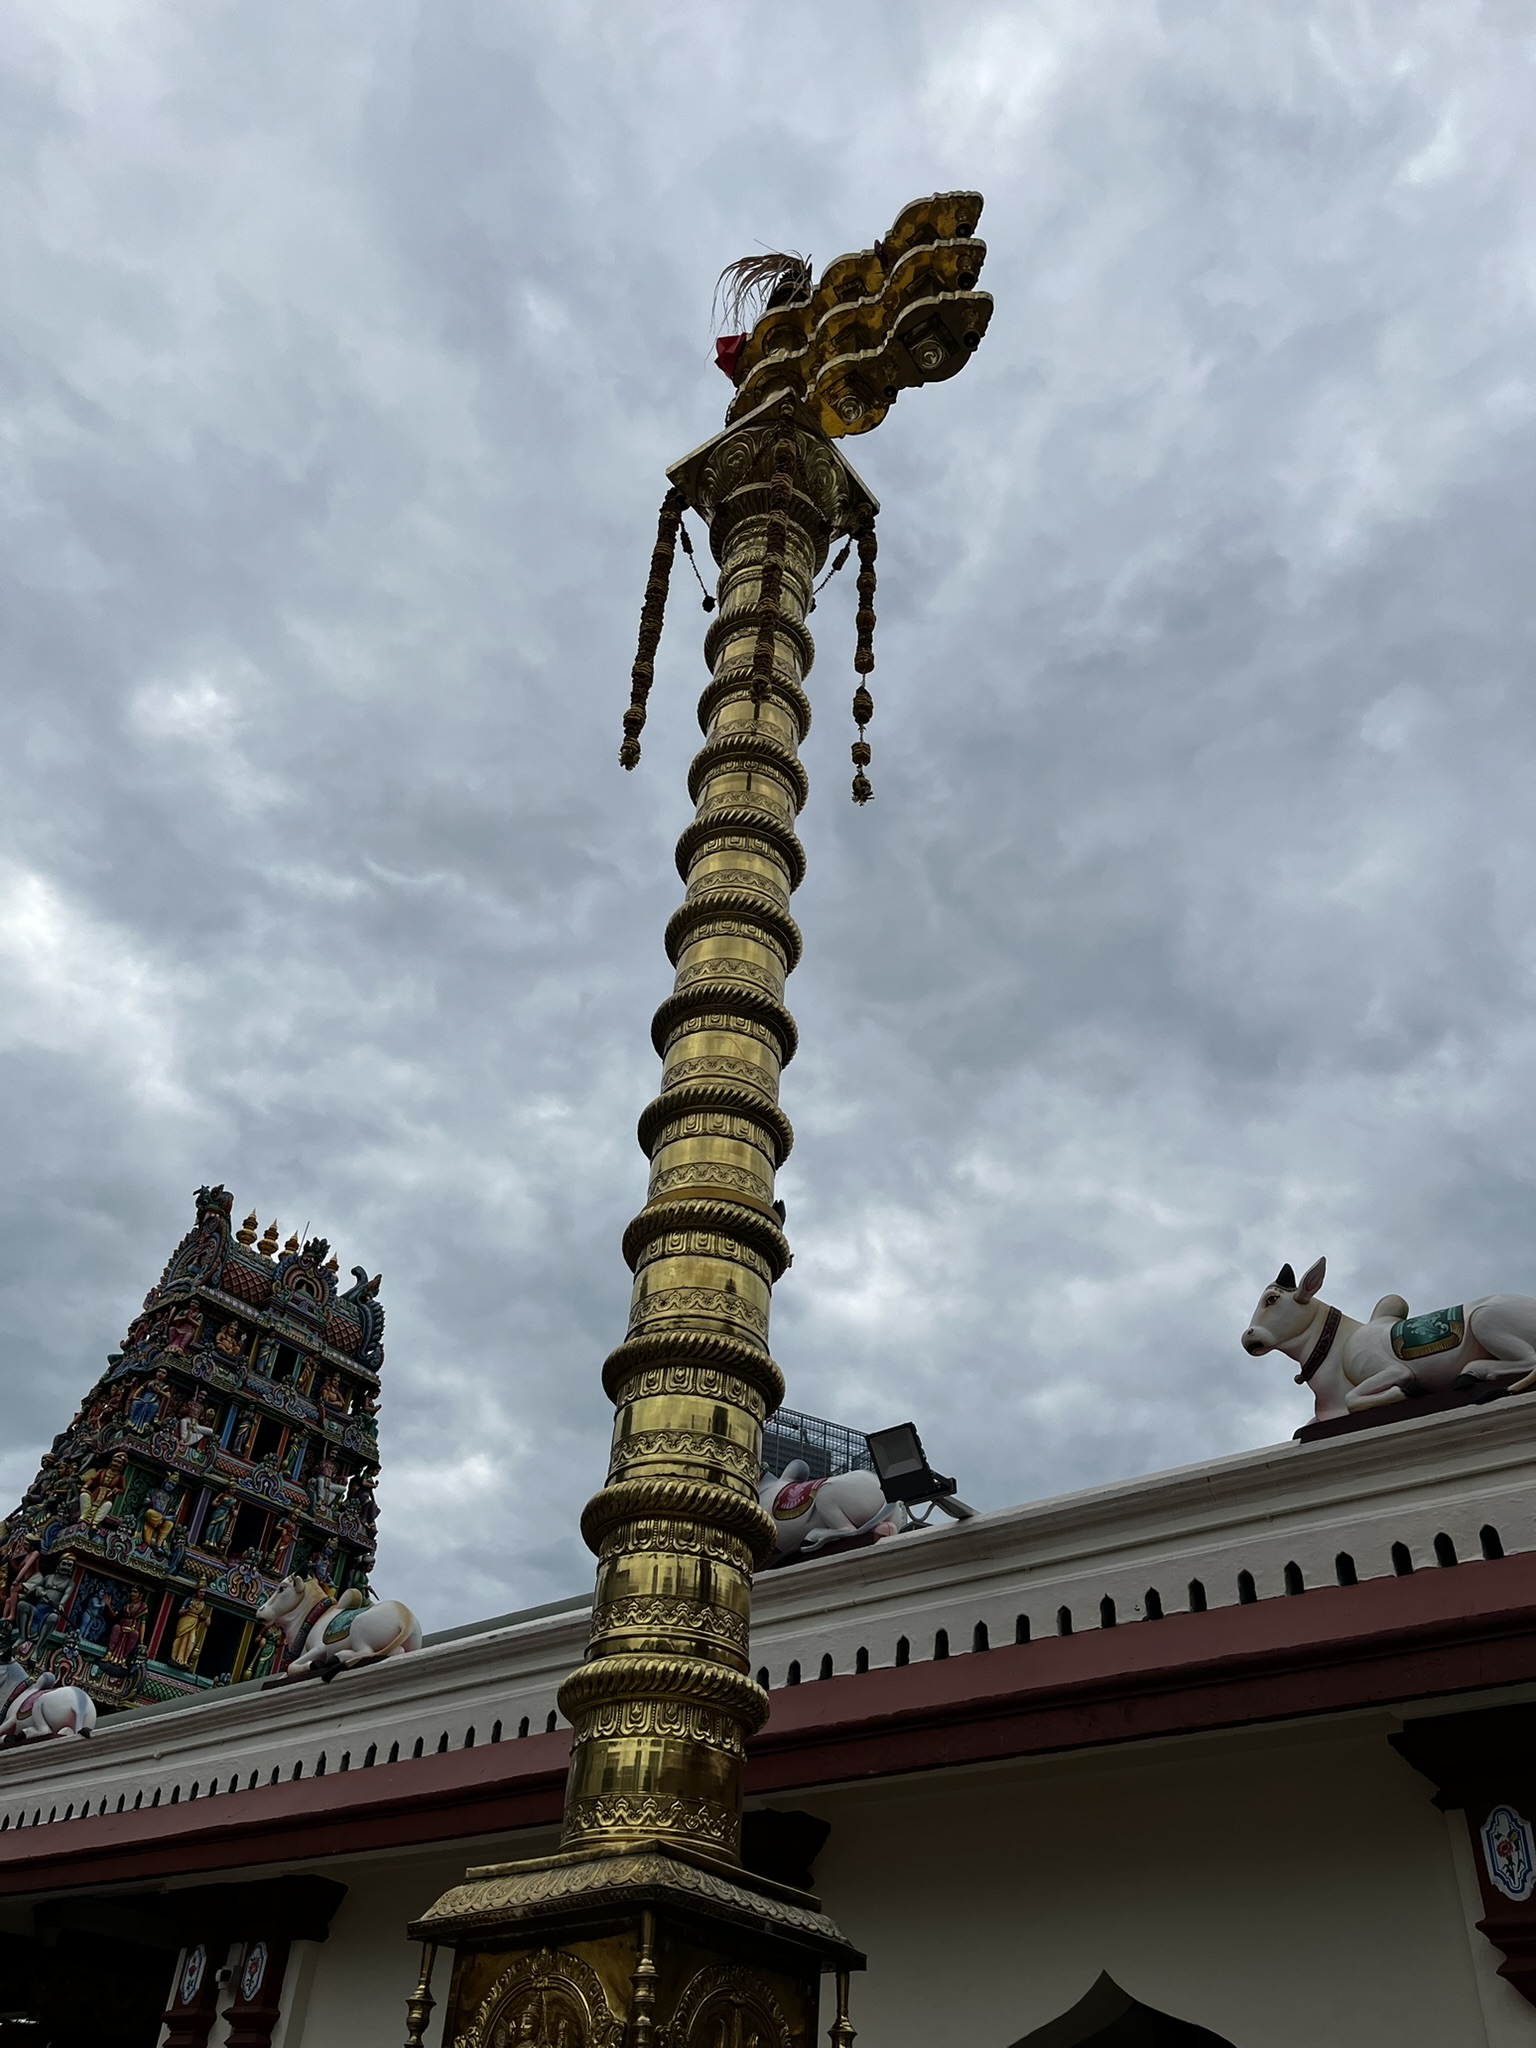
x=1419 y=1495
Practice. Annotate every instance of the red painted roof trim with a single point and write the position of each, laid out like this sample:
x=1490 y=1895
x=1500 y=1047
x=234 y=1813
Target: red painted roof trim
x=1439 y=1632
x=486 y=1790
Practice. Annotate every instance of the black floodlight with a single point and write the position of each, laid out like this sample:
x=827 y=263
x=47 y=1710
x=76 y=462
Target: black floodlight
x=901 y=1465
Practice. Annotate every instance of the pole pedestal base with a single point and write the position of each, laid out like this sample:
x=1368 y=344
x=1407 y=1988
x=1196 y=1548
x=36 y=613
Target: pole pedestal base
x=634 y=1948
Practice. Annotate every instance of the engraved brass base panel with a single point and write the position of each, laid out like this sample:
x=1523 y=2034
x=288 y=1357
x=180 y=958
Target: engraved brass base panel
x=645 y=1949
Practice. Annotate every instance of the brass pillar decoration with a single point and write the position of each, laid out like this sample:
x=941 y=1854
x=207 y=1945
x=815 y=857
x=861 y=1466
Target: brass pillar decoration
x=644 y=1925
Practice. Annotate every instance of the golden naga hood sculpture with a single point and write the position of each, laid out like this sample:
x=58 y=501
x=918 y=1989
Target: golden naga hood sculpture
x=903 y=313
x=834 y=358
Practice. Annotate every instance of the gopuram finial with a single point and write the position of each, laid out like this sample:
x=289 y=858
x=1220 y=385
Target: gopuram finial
x=620 y=1926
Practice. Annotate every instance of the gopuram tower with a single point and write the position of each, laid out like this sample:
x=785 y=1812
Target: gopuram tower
x=644 y=1927
x=232 y=1439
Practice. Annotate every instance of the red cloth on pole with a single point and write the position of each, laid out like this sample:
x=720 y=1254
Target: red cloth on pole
x=728 y=348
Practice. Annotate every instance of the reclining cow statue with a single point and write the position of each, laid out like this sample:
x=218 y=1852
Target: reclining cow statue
x=808 y=1513
x=32 y=1708
x=1489 y=1344
x=325 y=1635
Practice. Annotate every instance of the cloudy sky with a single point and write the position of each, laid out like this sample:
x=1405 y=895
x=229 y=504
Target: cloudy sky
x=1191 y=929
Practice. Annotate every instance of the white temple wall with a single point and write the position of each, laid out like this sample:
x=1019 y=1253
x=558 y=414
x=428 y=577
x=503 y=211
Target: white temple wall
x=366 y=1969
x=1285 y=1886
x=1281 y=1886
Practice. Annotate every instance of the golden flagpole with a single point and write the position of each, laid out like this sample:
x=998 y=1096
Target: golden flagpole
x=644 y=1924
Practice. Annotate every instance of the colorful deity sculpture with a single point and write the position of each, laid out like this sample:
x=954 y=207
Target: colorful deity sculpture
x=326 y=1488
x=194 y=1425
x=42 y=1597
x=191 y=1627
x=127 y=1630
x=269 y=1643
x=103 y=1485
x=148 y=1404
x=157 y=1518
x=217 y=1522
x=197 y=1469
x=93 y=1612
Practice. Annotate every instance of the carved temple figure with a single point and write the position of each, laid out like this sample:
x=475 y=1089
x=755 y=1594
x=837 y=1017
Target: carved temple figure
x=325 y=1487
x=22 y=1570
x=242 y=1438
x=216 y=1525
x=94 y=1612
x=128 y=1630
x=325 y=1635
x=139 y=1330
x=808 y=1513
x=149 y=1403
x=46 y=1467
x=103 y=1405
x=103 y=1489
x=42 y=1596
x=50 y=1491
x=181 y=1334
x=269 y=1642
x=1352 y=1366
x=331 y=1395
x=194 y=1425
x=191 y=1627
x=157 y=1518
x=360 y=1499
x=229 y=1340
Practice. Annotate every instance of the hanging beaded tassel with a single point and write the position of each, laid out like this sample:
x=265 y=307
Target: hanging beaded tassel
x=687 y=540
x=864 y=662
x=838 y=561
x=652 y=612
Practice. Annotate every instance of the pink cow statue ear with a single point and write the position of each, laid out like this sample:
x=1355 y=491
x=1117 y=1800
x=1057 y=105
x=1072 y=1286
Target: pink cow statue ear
x=1311 y=1280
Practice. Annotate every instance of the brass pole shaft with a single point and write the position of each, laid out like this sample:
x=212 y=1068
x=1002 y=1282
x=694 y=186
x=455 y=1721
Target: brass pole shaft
x=662 y=1708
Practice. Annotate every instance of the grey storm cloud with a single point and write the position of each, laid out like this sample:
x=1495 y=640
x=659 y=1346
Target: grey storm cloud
x=1191 y=928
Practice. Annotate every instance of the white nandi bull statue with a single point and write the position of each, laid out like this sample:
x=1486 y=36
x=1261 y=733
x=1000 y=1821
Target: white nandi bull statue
x=31 y=1708
x=809 y=1512
x=326 y=1635
x=1351 y=1366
